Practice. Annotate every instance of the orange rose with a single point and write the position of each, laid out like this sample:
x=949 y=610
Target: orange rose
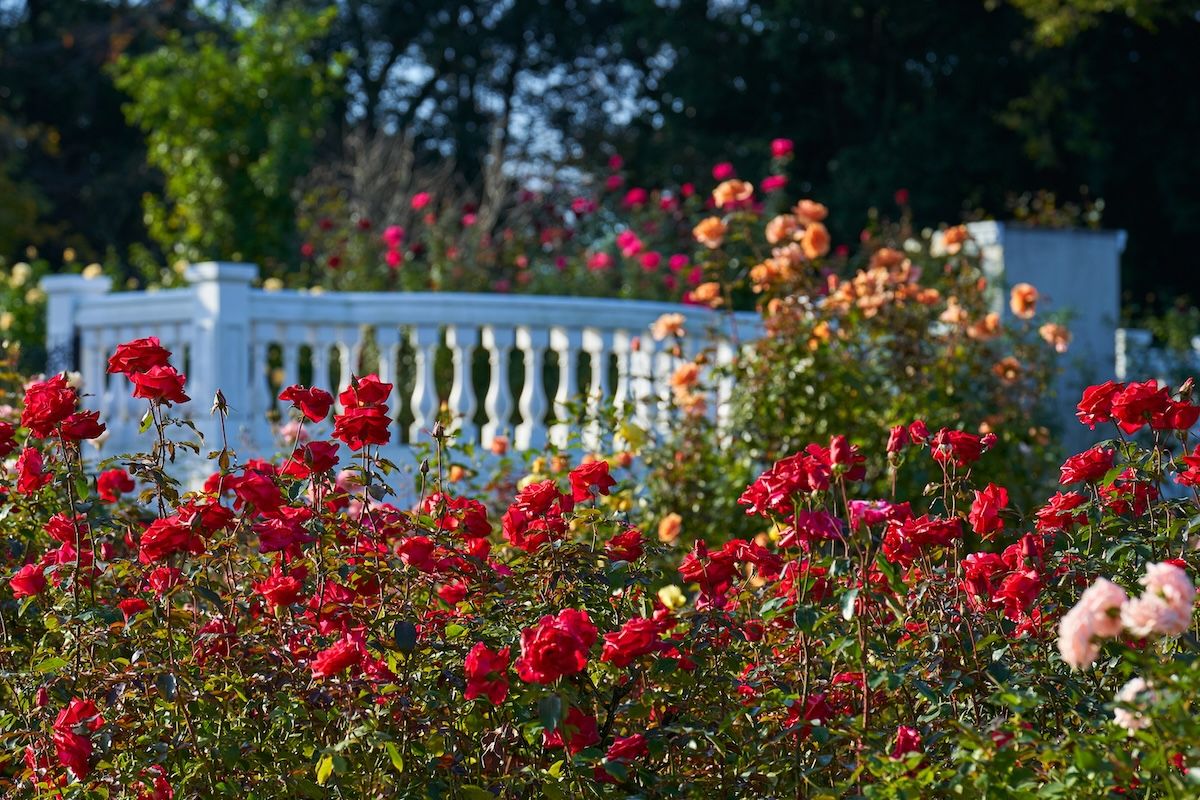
x=810 y=211
x=815 y=240
x=1008 y=369
x=669 y=528
x=732 y=191
x=686 y=376
x=710 y=232
x=954 y=238
x=986 y=329
x=667 y=325
x=1024 y=300
x=780 y=228
x=707 y=294
x=1056 y=335
x=954 y=313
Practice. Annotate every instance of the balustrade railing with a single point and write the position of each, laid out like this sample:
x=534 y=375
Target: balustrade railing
x=492 y=365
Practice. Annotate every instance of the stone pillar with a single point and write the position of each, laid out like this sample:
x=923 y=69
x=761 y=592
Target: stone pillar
x=1075 y=271
x=64 y=294
x=220 y=355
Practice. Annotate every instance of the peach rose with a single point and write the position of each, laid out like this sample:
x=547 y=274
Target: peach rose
x=815 y=240
x=710 y=232
x=780 y=228
x=1007 y=369
x=810 y=211
x=985 y=329
x=669 y=528
x=1056 y=335
x=707 y=294
x=1023 y=301
x=667 y=325
x=954 y=238
x=732 y=191
x=499 y=445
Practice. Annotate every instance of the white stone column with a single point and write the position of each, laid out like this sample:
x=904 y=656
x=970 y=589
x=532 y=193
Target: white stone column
x=221 y=350
x=64 y=295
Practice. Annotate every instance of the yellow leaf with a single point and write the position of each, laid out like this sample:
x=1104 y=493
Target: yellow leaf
x=324 y=769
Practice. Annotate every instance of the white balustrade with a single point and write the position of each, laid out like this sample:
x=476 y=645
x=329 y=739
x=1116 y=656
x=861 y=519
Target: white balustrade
x=249 y=343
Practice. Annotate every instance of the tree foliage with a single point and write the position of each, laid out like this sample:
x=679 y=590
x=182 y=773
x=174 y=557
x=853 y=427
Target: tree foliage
x=231 y=127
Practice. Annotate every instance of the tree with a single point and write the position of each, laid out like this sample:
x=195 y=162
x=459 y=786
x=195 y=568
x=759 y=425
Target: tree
x=231 y=125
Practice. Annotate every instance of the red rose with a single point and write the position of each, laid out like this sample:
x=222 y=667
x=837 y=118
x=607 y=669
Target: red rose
x=362 y=426
x=139 y=355
x=908 y=740
x=28 y=581
x=1176 y=416
x=82 y=425
x=1137 y=403
x=254 y=488
x=313 y=403
x=1190 y=476
x=636 y=638
x=627 y=748
x=210 y=516
x=132 y=606
x=1058 y=514
x=47 y=403
x=280 y=591
x=112 y=483
x=337 y=658
x=578 y=730
x=365 y=391
x=957 y=447
x=164 y=579
x=31 y=473
x=1096 y=404
x=1088 y=466
x=63 y=529
x=167 y=536
x=283 y=532
x=542 y=497
x=487 y=673
x=1018 y=592
x=8 y=439
x=586 y=476
x=898 y=439
x=985 y=511
x=161 y=384
x=625 y=546
x=73 y=745
x=312 y=458
x=556 y=646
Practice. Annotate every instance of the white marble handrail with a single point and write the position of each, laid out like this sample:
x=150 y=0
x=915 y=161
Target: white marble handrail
x=487 y=365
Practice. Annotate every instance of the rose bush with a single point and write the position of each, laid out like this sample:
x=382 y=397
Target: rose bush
x=291 y=629
x=853 y=343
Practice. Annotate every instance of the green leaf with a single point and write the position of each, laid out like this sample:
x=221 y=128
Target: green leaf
x=51 y=664
x=848 y=603
x=394 y=754
x=147 y=421
x=550 y=709
x=473 y=792
x=405 y=634
x=324 y=768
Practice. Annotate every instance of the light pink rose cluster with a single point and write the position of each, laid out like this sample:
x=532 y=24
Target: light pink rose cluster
x=1135 y=693
x=1097 y=615
x=1165 y=607
x=1104 y=611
